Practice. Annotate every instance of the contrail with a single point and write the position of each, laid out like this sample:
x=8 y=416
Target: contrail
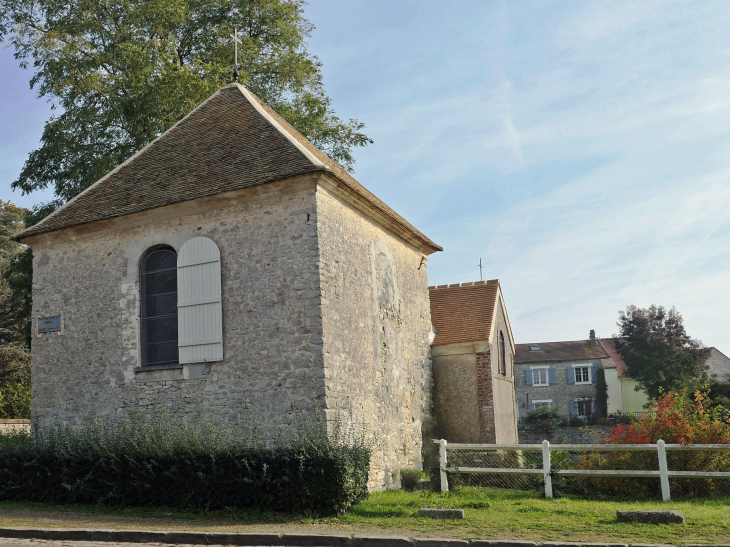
x=679 y=268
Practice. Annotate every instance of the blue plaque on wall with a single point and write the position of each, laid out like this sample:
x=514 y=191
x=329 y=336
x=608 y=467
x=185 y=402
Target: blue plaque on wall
x=49 y=324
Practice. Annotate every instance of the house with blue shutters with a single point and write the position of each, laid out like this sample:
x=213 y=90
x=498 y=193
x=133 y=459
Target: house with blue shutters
x=561 y=375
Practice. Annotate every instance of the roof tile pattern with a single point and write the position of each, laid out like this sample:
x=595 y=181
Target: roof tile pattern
x=462 y=312
x=225 y=144
x=559 y=351
x=610 y=346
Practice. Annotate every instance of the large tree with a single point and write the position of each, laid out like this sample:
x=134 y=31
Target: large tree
x=14 y=354
x=658 y=352
x=120 y=72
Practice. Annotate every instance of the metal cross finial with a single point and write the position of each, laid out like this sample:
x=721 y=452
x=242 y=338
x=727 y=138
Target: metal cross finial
x=236 y=41
x=480 y=270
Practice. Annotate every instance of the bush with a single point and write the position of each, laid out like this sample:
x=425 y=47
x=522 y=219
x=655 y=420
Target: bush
x=542 y=419
x=171 y=463
x=15 y=399
x=409 y=479
x=676 y=418
x=576 y=421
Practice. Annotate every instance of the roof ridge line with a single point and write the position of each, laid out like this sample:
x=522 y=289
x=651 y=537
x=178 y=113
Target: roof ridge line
x=257 y=104
x=483 y=282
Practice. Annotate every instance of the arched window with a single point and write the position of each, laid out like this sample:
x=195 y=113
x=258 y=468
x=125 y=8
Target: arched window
x=502 y=354
x=158 y=313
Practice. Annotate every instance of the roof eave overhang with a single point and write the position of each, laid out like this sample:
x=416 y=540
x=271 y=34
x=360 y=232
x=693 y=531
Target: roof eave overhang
x=395 y=224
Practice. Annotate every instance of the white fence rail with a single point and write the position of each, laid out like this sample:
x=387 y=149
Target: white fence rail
x=663 y=473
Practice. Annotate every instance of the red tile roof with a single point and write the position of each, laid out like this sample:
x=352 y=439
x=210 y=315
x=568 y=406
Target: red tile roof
x=462 y=312
x=231 y=141
x=610 y=346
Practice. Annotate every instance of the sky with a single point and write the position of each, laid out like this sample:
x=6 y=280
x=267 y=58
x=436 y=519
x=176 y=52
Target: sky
x=580 y=149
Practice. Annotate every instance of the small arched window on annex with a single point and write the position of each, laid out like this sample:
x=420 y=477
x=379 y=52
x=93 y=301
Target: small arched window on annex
x=502 y=355
x=158 y=307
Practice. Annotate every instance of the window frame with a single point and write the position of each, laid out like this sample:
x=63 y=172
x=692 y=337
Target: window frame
x=583 y=400
x=588 y=374
x=502 y=355
x=143 y=343
x=536 y=402
x=534 y=376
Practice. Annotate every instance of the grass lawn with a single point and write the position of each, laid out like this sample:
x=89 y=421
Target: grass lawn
x=490 y=514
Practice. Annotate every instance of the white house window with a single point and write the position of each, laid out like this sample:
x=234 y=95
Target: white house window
x=545 y=403
x=540 y=376
x=582 y=375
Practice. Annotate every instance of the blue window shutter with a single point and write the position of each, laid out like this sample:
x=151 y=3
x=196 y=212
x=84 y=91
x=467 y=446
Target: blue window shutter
x=573 y=408
x=528 y=377
x=530 y=406
x=571 y=375
x=552 y=377
x=594 y=373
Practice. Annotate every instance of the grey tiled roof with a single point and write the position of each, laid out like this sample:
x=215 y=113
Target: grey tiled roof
x=232 y=141
x=559 y=351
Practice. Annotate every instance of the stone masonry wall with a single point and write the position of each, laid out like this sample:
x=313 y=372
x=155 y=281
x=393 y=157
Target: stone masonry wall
x=456 y=394
x=504 y=394
x=566 y=435
x=485 y=390
x=272 y=326
x=560 y=393
x=376 y=316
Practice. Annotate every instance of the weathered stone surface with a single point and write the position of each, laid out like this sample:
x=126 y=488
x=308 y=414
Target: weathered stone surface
x=376 y=323
x=441 y=513
x=321 y=307
x=650 y=517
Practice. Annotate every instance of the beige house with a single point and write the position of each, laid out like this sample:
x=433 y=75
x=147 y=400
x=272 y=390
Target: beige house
x=473 y=364
x=231 y=265
x=623 y=395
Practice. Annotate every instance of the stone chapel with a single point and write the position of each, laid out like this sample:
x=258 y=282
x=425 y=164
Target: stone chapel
x=231 y=264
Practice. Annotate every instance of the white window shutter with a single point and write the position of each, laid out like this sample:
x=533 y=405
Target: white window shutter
x=199 y=312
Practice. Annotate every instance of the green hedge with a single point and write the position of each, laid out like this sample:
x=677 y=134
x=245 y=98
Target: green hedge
x=177 y=465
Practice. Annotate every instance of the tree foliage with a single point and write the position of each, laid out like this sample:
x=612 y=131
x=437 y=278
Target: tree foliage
x=14 y=323
x=658 y=352
x=120 y=72
x=677 y=417
x=14 y=357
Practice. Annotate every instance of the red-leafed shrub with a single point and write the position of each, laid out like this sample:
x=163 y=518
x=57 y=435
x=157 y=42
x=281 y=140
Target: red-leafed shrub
x=675 y=418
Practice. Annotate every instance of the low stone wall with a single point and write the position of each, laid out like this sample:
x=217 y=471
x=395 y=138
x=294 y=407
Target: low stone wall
x=566 y=435
x=14 y=426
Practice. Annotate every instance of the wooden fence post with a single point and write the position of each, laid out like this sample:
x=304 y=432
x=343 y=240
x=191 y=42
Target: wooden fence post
x=546 y=469
x=442 y=465
x=663 y=469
